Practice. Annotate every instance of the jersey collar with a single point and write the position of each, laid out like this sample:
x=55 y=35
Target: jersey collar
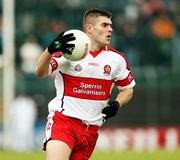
x=95 y=53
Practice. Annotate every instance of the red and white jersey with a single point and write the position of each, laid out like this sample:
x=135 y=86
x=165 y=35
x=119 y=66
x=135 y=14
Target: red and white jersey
x=83 y=87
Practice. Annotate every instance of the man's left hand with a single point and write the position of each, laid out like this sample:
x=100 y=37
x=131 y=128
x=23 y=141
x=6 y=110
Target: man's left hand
x=111 y=110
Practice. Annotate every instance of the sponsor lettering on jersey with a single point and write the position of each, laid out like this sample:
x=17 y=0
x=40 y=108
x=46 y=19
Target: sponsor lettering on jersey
x=93 y=64
x=86 y=50
x=87 y=88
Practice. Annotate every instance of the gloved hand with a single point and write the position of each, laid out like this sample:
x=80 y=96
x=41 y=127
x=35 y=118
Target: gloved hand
x=111 y=110
x=60 y=43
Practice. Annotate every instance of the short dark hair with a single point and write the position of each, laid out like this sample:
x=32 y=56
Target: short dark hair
x=95 y=12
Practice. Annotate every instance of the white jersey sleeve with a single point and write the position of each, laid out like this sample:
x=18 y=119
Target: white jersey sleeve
x=56 y=62
x=123 y=77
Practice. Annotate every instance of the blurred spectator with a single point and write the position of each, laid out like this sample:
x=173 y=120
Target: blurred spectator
x=163 y=27
x=152 y=6
x=175 y=47
x=0 y=35
x=50 y=29
x=29 y=53
x=175 y=9
x=23 y=117
x=74 y=3
x=156 y=29
x=127 y=27
x=27 y=22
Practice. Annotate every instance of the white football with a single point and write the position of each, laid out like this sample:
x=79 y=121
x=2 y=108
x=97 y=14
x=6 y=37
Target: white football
x=82 y=45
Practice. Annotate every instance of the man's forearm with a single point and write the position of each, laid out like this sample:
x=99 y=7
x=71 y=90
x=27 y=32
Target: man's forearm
x=124 y=96
x=42 y=67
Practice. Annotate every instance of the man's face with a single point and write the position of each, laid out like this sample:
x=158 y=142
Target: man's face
x=102 y=30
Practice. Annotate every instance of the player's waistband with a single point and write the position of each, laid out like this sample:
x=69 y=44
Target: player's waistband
x=78 y=122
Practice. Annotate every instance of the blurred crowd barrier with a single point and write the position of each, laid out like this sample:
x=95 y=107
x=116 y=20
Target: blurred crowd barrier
x=140 y=139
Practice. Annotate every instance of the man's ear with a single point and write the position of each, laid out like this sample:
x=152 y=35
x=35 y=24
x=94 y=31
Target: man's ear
x=88 y=28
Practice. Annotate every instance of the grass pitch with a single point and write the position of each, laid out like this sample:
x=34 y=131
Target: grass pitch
x=98 y=155
x=132 y=155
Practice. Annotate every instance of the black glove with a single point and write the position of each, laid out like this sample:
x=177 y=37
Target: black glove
x=60 y=44
x=111 y=110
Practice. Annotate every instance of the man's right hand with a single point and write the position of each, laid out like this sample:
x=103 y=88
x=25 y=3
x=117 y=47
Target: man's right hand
x=60 y=43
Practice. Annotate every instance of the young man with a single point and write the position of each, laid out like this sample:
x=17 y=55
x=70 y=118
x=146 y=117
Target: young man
x=83 y=89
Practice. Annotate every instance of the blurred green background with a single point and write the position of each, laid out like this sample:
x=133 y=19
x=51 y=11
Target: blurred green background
x=146 y=31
